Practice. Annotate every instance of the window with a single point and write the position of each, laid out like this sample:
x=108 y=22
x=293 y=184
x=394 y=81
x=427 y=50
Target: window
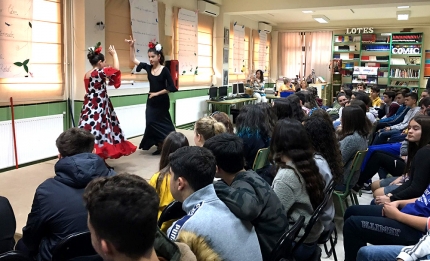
x=204 y=53
x=244 y=60
x=46 y=61
x=258 y=54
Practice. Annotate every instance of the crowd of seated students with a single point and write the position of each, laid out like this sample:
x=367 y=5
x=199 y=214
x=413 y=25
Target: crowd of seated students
x=220 y=192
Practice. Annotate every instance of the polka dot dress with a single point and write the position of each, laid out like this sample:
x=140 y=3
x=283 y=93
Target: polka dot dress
x=98 y=115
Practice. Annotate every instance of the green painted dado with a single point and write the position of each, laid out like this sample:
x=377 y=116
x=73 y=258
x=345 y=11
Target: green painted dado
x=35 y=110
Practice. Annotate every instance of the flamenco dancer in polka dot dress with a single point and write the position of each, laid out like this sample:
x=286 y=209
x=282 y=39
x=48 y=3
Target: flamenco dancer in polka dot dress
x=98 y=115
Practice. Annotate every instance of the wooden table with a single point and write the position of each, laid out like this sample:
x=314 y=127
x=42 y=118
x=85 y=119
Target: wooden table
x=229 y=103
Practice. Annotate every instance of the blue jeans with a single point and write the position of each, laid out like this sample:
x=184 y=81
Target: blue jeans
x=381 y=253
x=383 y=136
x=378 y=253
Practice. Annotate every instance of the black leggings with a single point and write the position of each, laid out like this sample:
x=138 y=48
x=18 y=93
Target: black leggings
x=365 y=224
x=381 y=159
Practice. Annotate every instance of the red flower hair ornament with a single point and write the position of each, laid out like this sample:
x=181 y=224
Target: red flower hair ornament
x=97 y=49
x=155 y=46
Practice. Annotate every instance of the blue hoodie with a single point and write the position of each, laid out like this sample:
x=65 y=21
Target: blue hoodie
x=58 y=209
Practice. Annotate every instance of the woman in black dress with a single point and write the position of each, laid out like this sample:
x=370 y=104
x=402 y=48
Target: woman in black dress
x=158 y=121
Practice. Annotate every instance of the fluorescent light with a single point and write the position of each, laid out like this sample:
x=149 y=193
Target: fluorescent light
x=403 y=6
x=322 y=19
x=307 y=12
x=403 y=15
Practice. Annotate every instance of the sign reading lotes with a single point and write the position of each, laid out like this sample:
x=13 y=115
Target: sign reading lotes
x=359 y=30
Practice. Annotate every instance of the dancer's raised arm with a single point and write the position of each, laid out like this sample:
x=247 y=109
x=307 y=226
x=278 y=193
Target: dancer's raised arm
x=131 y=42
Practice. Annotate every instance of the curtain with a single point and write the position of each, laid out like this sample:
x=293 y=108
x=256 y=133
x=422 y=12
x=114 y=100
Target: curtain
x=292 y=59
x=318 y=53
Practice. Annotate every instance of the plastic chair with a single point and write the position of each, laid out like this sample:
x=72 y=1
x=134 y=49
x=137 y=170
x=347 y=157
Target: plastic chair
x=74 y=246
x=283 y=249
x=343 y=195
x=261 y=159
x=14 y=256
x=314 y=218
x=372 y=133
x=172 y=211
x=327 y=235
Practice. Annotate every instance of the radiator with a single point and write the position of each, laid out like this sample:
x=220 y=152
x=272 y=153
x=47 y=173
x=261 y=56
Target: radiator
x=35 y=139
x=190 y=109
x=132 y=119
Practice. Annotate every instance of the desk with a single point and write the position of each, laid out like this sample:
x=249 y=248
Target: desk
x=271 y=97
x=229 y=103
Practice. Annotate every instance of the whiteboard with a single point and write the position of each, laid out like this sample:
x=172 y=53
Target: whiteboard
x=190 y=109
x=144 y=27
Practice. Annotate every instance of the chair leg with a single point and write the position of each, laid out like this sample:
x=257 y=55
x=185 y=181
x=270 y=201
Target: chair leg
x=333 y=248
x=340 y=199
x=355 y=199
x=328 y=253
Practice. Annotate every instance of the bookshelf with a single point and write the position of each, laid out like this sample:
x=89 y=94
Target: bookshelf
x=398 y=57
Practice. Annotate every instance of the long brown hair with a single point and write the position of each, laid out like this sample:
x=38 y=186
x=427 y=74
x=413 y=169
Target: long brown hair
x=290 y=139
x=354 y=120
x=172 y=142
x=413 y=147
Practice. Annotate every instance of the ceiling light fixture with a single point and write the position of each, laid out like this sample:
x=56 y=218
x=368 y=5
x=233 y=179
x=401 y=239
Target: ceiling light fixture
x=403 y=6
x=403 y=15
x=322 y=19
x=307 y=12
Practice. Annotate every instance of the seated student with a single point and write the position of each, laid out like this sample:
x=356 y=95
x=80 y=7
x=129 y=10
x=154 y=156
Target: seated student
x=289 y=108
x=397 y=223
x=222 y=117
x=298 y=183
x=161 y=180
x=342 y=100
x=398 y=116
x=353 y=137
x=57 y=209
x=382 y=159
x=389 y=107
x=361 y=87
x=286 y=87
x=7 y=226
x=420 y=251
x=122 y=219
x=424 y=94
x=206 y=128
x=375 y=93
x=370 y=112
x=246 y=194
x=210 y=229
x=417 y=164
x=270 y=115
x=388 y=132
x=327 y=156
x=254 y=129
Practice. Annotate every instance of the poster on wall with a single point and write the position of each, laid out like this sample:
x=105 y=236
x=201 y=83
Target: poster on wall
x=16 y=38
x=238 y=48
x=187 y=33
x=262 y=51
x=144 y=26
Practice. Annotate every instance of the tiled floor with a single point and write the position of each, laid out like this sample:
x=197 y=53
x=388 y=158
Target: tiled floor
x=19 y=185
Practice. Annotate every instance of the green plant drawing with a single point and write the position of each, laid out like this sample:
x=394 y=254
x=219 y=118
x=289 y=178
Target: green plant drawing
x=23 y=64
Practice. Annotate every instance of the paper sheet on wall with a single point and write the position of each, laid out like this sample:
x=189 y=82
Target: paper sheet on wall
x=144 y=26
x=238 y=49
x=16 y=17
x=262 y=51
x=187 y=51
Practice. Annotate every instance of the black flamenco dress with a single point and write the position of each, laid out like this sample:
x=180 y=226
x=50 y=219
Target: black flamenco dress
x=158 y=121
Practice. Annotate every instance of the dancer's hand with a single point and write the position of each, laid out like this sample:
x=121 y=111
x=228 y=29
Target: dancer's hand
x=112 y=50
x=153 y=94
x=130 y=41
